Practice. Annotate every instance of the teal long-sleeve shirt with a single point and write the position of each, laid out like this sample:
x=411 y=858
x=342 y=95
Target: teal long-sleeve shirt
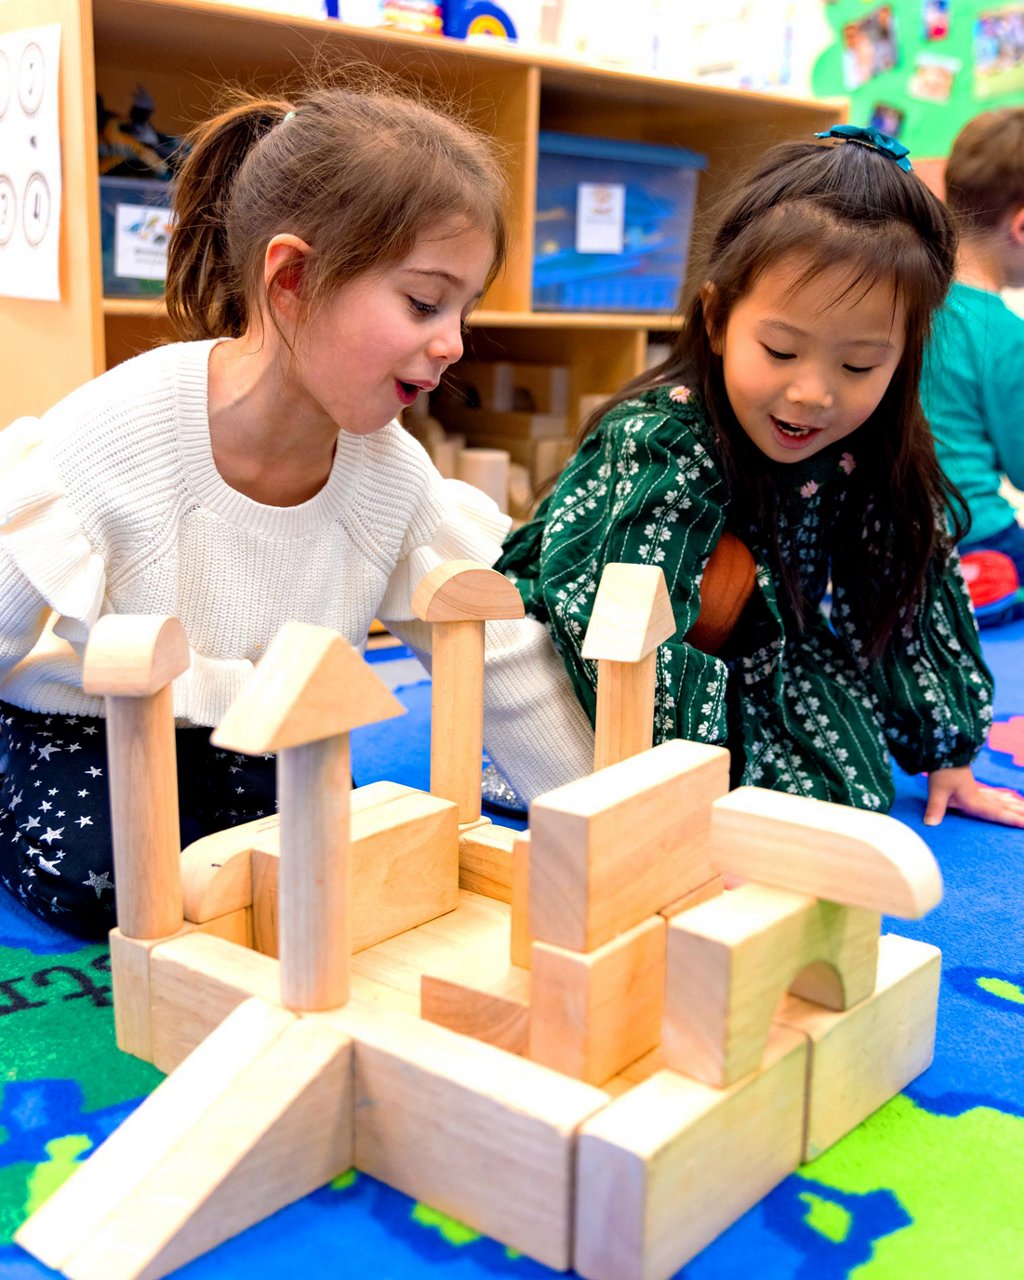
x=801 y=708
x=973 y=396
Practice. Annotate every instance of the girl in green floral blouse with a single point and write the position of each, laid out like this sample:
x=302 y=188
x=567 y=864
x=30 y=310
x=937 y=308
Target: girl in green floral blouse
x=787 y=415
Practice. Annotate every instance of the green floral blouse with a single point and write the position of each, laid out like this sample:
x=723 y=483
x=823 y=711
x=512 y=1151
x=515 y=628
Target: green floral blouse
x=802 y=712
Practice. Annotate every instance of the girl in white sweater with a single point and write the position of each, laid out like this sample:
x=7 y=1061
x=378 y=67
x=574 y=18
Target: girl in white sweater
x=325 y=257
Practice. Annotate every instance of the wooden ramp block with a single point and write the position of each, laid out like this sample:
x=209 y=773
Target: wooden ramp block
x=731 y=960
x=70 y=1217
x=834 y=852
x=498 y=1015
x=666 y=1167
x=591 y=1015
x=485 y=860
x=405 y=870
x=480 y=1134
x=611 y=849
x=195 y=982
x=863 y=1057
x=280 y=1129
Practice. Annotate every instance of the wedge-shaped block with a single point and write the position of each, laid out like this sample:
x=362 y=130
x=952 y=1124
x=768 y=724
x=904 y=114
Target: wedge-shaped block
x=65 y=1223
x=632 y=614
x=863 y=1057
x=498 y=1014
x=845 y=855
x=611 y=849
x=669 y=1165
x=405 y=870
x=279 y=1130
x=731 y=960
x=477 y=1133
x=591 y=1015
x=195 y=982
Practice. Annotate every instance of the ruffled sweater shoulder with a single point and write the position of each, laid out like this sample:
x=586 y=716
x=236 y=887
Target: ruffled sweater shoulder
x=112 y=502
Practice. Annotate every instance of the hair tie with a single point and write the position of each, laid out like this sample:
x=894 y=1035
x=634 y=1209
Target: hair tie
x=288 y=115
x=896 y=151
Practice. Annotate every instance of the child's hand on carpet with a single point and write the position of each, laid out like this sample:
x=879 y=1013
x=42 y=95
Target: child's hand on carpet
x=958 y=789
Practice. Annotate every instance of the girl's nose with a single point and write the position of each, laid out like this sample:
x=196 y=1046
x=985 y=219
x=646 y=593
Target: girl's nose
x=446 y=343
x=810 y=391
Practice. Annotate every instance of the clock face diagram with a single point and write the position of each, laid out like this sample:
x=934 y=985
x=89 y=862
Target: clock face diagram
x=36 y=209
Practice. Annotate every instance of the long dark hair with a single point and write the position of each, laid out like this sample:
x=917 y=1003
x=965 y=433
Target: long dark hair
x=356 y=173
x=823 y=206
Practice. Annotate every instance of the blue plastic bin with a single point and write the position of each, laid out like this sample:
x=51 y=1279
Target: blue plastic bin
x=653 y=190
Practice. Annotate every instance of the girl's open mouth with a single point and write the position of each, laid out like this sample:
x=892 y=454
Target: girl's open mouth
x=793 y=431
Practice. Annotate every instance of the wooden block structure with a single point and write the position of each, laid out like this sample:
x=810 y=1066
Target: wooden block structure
x=632 y=616
x=554 y=1107
x=458 y=598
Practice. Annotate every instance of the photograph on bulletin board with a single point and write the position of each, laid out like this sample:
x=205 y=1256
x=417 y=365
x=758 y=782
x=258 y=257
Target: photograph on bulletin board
x=925 y=67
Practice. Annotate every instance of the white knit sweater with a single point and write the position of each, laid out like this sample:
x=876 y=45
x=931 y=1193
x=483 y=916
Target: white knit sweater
x=112 y=503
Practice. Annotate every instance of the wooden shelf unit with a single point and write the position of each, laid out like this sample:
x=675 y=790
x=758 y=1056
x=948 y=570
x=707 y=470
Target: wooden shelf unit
x=183 y=51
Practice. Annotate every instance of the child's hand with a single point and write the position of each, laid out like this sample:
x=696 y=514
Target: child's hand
x=959 y=789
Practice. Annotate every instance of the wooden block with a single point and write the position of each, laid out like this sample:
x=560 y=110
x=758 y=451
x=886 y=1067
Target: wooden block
x=861 y=1058
x=669 y=1165
x=279 y=1130
x=464 y=591
x=591 y=1015
x=482 y=424
x=472 y=940
x=611 y=849
x=632 y=614
x=624 y=722
x=476 y=1132
x=730 y=961
x=845 y=855
x=499 y=1015
x=309 y=685
x=195 y=982
x=485 y=860
x=133 y=656
x=487 y=470
x=233 y=926
x=216 y=871
x=405 y=870
x=71 y=1216
x=703 y=893
x=520 y=941
x=508 y=386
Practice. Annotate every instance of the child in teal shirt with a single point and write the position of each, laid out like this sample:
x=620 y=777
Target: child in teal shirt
x=973 y=386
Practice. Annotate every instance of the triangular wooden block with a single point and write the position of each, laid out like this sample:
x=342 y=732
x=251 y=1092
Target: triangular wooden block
x=310 y=684
x=632 y=614
x=278 y=1130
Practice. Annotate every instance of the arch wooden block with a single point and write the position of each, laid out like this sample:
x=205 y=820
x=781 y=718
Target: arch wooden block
x=732 y=959
x=134 y=655
x=845 y=855
x=464 y=591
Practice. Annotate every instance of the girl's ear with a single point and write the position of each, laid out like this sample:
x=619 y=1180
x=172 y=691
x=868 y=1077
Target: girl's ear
x=284 y=269
x=709 y=301
x=1017 y=227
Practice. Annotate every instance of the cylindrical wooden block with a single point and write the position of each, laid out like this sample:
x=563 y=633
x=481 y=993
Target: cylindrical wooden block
x=457 y=715
x=624 y=725
x=313 y=787
x=487 y=469
x=144 y=814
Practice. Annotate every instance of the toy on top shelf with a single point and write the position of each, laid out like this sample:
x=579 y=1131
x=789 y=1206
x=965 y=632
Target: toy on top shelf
x=557 y=1108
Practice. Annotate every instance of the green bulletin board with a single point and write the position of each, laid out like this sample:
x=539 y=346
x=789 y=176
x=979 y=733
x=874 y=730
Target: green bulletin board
x=922 y=68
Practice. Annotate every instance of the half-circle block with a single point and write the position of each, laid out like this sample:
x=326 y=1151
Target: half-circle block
x=632 y=614
x=134 y=655
x=310 y=684
x=844 y=855
x=464 y=591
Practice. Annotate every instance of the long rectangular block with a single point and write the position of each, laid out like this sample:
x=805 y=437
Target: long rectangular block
x=611 y=849
x=480 y=1134
x=862 y=1057
x=485 y=860
x=666 y=1167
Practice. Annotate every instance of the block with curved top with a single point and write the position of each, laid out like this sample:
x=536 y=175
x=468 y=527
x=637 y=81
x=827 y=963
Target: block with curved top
x=310 y=684
x=134 y=655
x=464 y=591
x=845 y=855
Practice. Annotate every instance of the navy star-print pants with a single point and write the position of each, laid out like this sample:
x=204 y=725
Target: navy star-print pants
x=56 y=855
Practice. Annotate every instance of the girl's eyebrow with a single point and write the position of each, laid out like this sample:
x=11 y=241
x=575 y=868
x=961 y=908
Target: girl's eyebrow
x=438 y=273
x=793 y=331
